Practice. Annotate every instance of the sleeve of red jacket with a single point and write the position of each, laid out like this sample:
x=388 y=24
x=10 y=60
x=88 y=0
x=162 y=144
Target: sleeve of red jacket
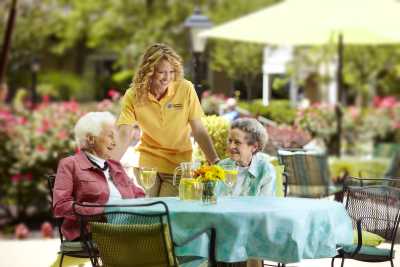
x=63 y=190
x=139 y=192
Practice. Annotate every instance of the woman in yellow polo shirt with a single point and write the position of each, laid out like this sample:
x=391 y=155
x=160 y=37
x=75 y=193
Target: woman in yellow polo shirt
x=167 y=109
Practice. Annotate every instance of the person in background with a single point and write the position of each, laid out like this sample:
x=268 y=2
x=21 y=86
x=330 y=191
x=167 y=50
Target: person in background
x=230 y=112
x=167 y=110
x=316 y=144
x=90 y=176
x=256 y=175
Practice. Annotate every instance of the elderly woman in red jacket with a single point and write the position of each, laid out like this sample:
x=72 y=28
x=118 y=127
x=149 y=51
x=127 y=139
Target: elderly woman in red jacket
x=90 y=176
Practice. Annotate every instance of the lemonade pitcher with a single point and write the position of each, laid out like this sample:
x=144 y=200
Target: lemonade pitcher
x=189 y=188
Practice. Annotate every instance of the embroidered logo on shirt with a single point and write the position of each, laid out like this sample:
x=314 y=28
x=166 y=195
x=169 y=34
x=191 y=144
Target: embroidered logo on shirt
x=174 y=106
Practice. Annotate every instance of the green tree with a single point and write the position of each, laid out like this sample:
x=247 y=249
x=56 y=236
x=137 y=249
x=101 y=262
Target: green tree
x=372 y=70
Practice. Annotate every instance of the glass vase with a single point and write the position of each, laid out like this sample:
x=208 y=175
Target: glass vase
x=209 y=196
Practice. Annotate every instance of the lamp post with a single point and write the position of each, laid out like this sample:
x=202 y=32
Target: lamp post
x=35 y=67
x=196 y=23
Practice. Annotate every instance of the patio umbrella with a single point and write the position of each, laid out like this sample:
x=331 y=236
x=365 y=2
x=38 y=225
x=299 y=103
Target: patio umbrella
x=317 y=22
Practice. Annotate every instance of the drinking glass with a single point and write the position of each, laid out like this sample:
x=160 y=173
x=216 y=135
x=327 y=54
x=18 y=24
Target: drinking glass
x=231 y=173
x=147 y=178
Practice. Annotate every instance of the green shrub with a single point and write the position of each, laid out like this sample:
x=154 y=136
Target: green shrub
x=279 y=111
x=218 y=128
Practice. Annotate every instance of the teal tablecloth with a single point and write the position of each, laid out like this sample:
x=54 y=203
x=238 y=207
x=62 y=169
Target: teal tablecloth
x=278 y=229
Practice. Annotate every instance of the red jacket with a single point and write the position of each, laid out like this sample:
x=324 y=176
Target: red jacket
x=78 y=180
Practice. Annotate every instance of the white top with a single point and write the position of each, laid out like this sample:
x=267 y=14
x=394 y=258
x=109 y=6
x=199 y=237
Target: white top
x=114 y=193
x=239 y=181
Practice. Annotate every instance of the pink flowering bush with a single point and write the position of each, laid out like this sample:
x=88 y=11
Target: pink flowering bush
x=319 y=120
x=46 y=230
x=21 y=231
x=383 y=120
x=285 y=136
x=31 y=144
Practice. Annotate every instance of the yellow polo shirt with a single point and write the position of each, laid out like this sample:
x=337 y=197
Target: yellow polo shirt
x=165 y=125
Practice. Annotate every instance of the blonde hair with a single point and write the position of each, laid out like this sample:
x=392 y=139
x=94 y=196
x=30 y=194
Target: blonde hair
x=153 y=55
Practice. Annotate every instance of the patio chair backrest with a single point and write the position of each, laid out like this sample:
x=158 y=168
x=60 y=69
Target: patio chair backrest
x=306 y=172
x=374 y=207
x=51 y=179
x=363 y=182
x=67 y=248
x=377 y=206
x=394 y=169
x=140 y=236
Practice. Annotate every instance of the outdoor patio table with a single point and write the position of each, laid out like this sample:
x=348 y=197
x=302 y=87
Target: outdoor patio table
x=278 y=229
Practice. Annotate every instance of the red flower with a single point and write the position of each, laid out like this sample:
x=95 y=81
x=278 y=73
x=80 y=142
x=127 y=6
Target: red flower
x=45 y=99
x=28 y=177
x=114 y=94
x=384 y=102
x=71 y=106
x=16 y=178
x=21 y=231
x=40 y=148
x=46 y=230
x=22 y=120
x=46 y=125
x=21 y=177
x=62 y=135
x=206 y=93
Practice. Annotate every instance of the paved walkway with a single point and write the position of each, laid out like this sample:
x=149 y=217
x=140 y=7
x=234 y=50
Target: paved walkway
x=43 y=253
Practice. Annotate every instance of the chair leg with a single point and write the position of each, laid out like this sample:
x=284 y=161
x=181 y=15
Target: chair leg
x=61 y=259
x=333 y=262
x=342 y=262
x=391 y=263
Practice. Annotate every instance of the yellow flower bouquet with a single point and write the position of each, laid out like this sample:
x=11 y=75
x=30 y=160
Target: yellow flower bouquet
x=213 y=173
x=209 y=176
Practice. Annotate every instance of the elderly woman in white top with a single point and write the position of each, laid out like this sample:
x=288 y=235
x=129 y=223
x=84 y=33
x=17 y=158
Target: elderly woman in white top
x=256 y=175
x=90 y=176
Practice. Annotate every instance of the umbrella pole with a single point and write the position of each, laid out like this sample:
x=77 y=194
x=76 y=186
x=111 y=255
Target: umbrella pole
x=338 y=109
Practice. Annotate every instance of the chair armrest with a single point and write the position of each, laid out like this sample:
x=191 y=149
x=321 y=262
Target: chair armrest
x=285 y=183
x=359 y=239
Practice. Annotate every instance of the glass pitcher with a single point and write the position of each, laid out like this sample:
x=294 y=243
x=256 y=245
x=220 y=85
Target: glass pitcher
x=189 y=187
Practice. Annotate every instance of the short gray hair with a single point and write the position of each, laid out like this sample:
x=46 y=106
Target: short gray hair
x=91 y=124
x=256 y=133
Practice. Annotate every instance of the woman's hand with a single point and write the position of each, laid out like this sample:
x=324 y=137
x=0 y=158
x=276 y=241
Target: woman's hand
x=203 y=139
x=123 y=140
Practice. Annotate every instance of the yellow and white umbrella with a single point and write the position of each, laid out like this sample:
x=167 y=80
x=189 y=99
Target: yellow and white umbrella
x=315 y=22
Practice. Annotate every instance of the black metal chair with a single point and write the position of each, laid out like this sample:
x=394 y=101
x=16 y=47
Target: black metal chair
x=394 y=168
x=132 y=235
x=364 y=182
x=67 y=248
x=306 y=174
x=374 y=206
